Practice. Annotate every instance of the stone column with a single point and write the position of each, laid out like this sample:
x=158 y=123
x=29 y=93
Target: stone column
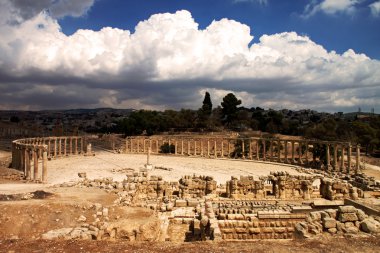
x=82 y=145
x=357 y=158
x=293 y=161
x=215 y=153
x=349 y=150
x=76 y=145
x=35 y=163
x=188 y=147
x=250 y=149
x=279 y=151
x=60 y=147
x=300 y=153
x=65 y=146
x=229 y=148
x=22 y=158
x=222 y=155
x=335 y=164
x=71 y=145
x=242 y=148
x=195 y=147
x=328 y=166
x=49 y=147
x=257 y=150
x=286 y=151
x=202 y=147
x=44 y=166
x=208 y=148
x=181 y=146
x=342 y=159
x=27 y=164
x=55 y=147
x=176 y=147
x=144 y=147
x=157 y=148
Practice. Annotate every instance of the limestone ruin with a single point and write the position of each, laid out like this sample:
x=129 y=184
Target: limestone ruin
x=277 y=206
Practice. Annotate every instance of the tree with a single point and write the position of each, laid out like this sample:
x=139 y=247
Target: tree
x=366 y=135
x=207 y=104
x=230 y=107
x=205 y=111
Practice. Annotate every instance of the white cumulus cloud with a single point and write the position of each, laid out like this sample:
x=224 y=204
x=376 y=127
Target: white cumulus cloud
x=168 y=61
x=375 y=8
x=330 y=7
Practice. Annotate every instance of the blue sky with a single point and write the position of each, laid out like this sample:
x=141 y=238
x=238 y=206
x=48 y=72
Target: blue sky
x=165 y=54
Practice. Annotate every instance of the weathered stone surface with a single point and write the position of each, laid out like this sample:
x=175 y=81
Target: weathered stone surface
x=361 y=215
x=315 y=216
x=345 y=217
x=352 y=230
x=180 y=203
x=329 y=223
x=56 y=234
x=347 y=209
x=370 y=226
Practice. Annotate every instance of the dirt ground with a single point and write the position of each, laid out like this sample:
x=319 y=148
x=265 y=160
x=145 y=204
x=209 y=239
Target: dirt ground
x=346 y=245
x=23 y=221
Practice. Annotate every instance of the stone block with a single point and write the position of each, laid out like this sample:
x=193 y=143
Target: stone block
x=370 y=226
x=192 y=202
x=332 y=213
x=329 y=223
x=352 y=230
x=347 y=209
x=349 y=224
x=315 y=216
x=345 y=217
x=241 y=230
x=254 y=230
x=332 y=230
x=361 y=215
x=227 y=230
x=279 y=230
x=180 y=203
x=267 y=230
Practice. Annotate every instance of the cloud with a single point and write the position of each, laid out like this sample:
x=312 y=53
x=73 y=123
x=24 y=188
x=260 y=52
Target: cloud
x=330 y=7
x=168 y=62
x=27 y=9
x=375 y=8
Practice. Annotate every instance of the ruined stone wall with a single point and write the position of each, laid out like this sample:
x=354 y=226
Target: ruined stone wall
x=333 y=189
x=196 y=186
x=278 y=185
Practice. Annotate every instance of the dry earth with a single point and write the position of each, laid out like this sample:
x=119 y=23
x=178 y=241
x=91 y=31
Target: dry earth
x=23 y=221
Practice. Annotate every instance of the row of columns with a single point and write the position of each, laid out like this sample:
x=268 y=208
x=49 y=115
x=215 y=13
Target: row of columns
x=31 y=159
x=59 y=146
x=273 y=150
x=31 y=155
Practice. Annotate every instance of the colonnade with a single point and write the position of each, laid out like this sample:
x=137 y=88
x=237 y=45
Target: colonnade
x=337 y=155
x=31 y=155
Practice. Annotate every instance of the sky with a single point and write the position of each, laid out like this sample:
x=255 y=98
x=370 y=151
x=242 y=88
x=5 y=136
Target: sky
x=165 y=54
